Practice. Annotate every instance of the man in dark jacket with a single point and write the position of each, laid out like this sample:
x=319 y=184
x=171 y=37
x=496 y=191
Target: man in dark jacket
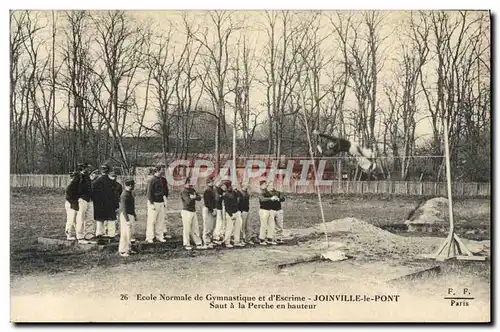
x=220 y=226
x=244 y=206
x=266 y=214
x=155 y=207
x=84 y=196
x=117 y=191
x=104 y=198
x=233 y=216
x=127 y=218
x=190 y=227
x=208 y=212
x=164 y=182
x=71 y=206
x=278 y=217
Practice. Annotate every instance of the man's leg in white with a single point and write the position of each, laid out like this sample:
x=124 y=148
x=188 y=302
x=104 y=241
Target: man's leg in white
x=207 y=225
x=244 y=220
x=150 y=234
x=99 y=228
x=271 y=226
x=70 y=221
x=132 y=230
x=264 y=220
x=218 y=225
x=124 y=246
x=160 y=221
x=111 y=228
x=195 y=230
x=229 y=230
x=237 y=228
x=223 y=221
x=90 y=226
x=187 y=216
x=279 y=225
x=80 y=218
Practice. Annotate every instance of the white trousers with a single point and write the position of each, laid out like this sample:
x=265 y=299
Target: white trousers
x=125 y=233
x=190 y=228
x=279 y=224
x=156 y=221
x=165 y=219
x=246 y=227
x=233 y=227
x=81 y=217
x=220 y=224
x=70 y=219
x=208 y=225
x=105 y=228
x=267 y=224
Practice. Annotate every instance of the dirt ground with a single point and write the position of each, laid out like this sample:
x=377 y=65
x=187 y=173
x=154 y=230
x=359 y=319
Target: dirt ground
x=357 y=225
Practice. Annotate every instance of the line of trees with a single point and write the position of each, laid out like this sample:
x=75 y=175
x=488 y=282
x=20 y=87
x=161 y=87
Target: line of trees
x=84 y=82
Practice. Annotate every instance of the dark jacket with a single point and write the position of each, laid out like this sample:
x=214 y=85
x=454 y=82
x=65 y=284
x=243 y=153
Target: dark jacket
x=231 y=202
x=340 y=145
x=265 y=204
x=218 y=197
x=104 y=197
x=84 y=187
x=209 y=199
x=118 y=192
x=164 y=184
x=72 y=193
x=127 y=204
x=154 y=190
x=244 y=201
x=188 y=203
x=276 y=205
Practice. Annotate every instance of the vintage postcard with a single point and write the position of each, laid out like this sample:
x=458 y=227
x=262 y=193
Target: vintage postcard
x=250 y=166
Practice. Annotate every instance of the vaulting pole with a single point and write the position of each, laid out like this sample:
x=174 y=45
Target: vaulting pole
x=233 y=173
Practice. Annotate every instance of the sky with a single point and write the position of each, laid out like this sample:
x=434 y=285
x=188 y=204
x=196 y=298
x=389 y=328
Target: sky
x=252 y=24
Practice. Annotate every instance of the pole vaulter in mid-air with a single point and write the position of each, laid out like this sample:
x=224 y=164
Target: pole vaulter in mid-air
x=335 y=145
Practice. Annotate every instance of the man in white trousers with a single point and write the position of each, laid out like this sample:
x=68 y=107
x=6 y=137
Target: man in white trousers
x=278 y=214
x=164 y=183
x=155 y=208
x=127 y=219
x=208 y=212
x=244 y=206
x=71 y=206
x=233 y=216
x=190 y=226
x=84 y=195
x=220 y=220
x=266 y=214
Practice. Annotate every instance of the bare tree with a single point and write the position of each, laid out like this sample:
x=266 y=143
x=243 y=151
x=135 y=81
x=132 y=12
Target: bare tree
x=215 y=63
x=282 y=68
x=243 y=78
x=18 y=35
x=120 y=45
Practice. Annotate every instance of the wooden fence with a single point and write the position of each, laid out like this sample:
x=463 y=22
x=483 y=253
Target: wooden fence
x=406 y=188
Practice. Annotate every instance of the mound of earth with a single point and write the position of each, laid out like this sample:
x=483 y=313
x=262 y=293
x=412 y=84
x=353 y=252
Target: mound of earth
x=363 y=240
x=432 y=212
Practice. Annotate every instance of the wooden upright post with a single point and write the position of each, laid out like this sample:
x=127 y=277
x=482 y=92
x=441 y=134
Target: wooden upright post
x=453 y=247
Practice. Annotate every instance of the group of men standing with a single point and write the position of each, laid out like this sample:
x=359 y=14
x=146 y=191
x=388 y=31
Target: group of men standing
x=87 y=191
x=226 y=216
x=99 y=193
x=225 y=211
